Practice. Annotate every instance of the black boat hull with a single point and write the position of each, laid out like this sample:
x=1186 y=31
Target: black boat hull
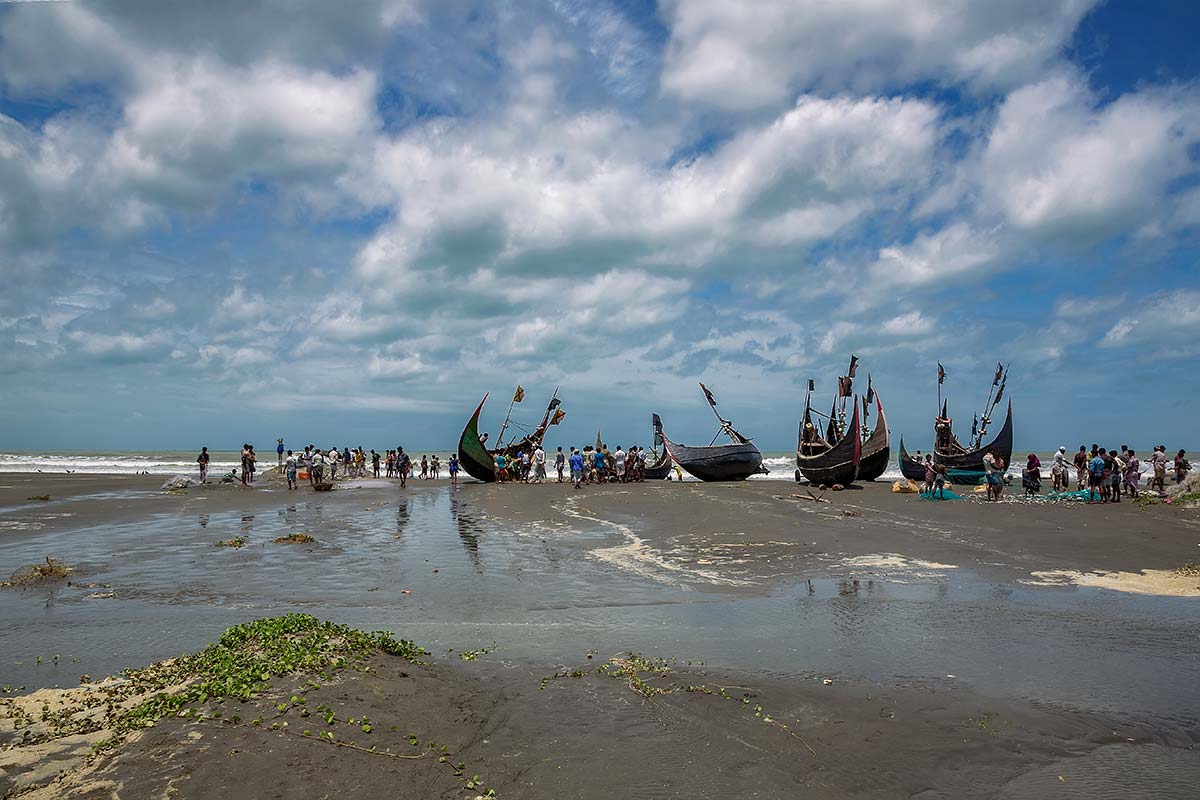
x=965 y=469
x=660 y=468
x=838 y=464
x=723 y=462
x=877 y=449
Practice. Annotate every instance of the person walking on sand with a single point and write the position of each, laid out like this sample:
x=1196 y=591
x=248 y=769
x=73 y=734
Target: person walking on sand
x=452 y=468
x=403 y=465
x=202 y=460
x=317 y=470
x=1182 y=466
x=290 y=470
x=560 y=462
x=576 y=467
x=279 y=452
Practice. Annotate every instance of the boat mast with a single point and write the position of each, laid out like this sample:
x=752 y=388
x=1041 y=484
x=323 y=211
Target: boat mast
x=508 y=416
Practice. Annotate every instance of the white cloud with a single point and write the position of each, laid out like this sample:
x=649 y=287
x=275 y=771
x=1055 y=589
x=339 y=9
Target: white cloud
x=242 y=306
x=1167 y=321
x=752 y=54
x=1059 y=166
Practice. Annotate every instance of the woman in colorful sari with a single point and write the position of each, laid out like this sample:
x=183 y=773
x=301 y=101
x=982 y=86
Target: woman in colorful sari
x=1031 y=477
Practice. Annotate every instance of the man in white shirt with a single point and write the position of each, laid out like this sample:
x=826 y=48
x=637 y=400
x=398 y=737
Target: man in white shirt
x=619 y=458
x=539 y=464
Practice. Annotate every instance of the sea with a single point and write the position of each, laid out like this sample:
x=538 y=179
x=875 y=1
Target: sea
x=781 y=465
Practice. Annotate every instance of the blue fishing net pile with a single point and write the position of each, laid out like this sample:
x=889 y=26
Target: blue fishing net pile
x=1081 y=495
x=935 y=495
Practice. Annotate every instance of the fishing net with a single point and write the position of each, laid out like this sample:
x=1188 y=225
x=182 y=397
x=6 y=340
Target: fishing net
x=938 y=496
x=53 y=569
x=966 y=477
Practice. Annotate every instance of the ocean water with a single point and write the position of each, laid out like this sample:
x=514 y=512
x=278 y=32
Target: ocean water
x=183 y=462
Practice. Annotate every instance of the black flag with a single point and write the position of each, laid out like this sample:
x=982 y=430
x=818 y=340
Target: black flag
x=657 y=421
x=555 y=403
x=853 y=367
x=845 y=386
x=941 y=373
x=712 y=401
x=812 y=385
x=999 y=374
x=975 y=426
x=1000 y=392
x=870 y=391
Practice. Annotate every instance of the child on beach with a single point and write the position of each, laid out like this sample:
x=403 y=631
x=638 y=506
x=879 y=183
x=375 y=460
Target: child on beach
x=291 y=470
x=939 y=480
x=203 y=460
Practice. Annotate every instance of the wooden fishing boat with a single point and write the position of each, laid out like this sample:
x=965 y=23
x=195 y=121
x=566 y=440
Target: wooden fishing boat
x=479 y=462
x=717 y=462
x=661 y=467
x=964 y=467
x=876 y=450
x=836 y=465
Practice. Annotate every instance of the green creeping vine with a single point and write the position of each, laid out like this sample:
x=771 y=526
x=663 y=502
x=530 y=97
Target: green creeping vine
x=636 y=671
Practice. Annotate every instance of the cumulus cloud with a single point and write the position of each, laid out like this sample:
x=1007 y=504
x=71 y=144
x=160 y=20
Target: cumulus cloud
x=1060 y=165
x=748 y=55
x=1166 y=321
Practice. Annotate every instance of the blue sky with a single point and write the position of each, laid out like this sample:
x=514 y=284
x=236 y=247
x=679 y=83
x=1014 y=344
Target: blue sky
x=225 y=222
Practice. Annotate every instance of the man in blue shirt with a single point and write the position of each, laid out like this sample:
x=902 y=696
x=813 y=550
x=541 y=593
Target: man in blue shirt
x=279 y=451
x=576 y=467
x=1096 y=476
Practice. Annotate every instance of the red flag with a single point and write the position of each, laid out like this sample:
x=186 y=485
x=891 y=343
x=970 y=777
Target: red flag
x=845 y=386
x=941 y=373
x=853 y=367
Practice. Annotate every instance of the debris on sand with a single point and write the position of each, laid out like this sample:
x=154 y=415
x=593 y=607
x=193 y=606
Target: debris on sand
x=41 y=498
x=236 y=542
x=295 y=538
x=180 y=482
x=53 y=569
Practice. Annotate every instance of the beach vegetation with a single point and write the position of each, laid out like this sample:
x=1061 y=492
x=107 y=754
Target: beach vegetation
x=1191 y=569
x=236 y=542
x=294 y=538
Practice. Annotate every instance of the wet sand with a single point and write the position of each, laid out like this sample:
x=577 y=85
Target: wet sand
x=831 y=734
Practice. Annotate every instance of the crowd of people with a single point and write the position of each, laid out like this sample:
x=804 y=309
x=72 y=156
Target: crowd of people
x=318 y=465
x=1105 y=474
x=589 y=465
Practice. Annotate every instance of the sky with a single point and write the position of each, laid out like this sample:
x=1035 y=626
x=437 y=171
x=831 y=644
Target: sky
x=225 y=222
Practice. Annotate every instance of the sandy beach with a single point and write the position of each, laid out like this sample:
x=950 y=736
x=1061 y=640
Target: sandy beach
x=875 y=645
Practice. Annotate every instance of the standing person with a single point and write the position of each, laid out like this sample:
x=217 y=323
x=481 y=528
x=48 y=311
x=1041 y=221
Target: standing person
x=1182 y=466
x=317 y=470
x=600 y=461
x=619 y=464
x=374 y=462
x=290 y=470
x=452 y=466
x=1031 y=477
x=1117 y=477
x=560 y=461
x=1096 y=478
x=526 y=461
x=424 y=468
x=245 y=464
x=279 y=451
x=539 y=464
x=403 y=463
x=501 y=468
x=1133 y=474
x=1059 y=472
x=939 y=480
x=253 y=460
x=576 y=467
x=930 y=474
x=202 y=460
x=1159 y=460
x=306 y=461
x=992 y=467
x=1081 y=467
